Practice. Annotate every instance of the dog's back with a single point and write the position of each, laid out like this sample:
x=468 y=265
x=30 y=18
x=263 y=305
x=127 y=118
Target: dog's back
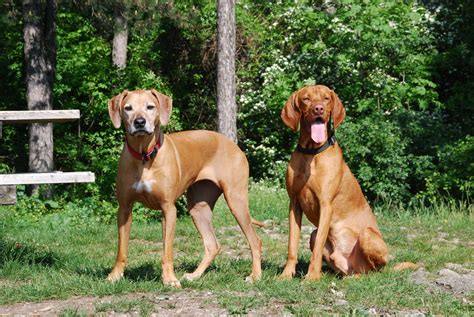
x=209 y=155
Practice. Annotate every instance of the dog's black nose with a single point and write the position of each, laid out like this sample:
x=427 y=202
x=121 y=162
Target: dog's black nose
x=139 y=123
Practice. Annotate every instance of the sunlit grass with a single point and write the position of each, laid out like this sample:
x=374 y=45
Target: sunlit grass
x=48 y=259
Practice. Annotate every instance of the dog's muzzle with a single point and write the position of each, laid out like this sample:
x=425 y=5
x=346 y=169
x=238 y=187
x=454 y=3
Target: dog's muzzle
x=140 y=127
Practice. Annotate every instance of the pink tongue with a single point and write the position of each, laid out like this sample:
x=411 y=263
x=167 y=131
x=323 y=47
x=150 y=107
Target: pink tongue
x=318 y=132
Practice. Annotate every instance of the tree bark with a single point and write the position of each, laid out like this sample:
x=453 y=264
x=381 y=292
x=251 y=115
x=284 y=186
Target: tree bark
x=40 y=65
x=119 y=46
x=226 y=105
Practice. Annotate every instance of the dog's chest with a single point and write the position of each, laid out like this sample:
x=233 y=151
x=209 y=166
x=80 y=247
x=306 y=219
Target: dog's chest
x=143 y=186
x=309 y=203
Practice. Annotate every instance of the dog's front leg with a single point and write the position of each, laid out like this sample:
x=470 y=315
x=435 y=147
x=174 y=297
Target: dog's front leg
x=314 y=270
x=124 y=223
x=168 y=224
x=293 y=239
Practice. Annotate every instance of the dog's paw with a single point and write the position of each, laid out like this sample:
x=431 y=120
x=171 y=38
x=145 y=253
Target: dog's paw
x=312 y=277
x=284 y=277
x=172 y=283
x=252 y=278
x=114 y=276
x=190 y=277
x=287 y=274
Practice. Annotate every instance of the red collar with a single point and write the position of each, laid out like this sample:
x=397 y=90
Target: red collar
x=150 y=153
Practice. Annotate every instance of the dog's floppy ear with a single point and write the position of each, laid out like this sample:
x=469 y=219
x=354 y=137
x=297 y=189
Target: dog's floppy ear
x=115 y=108
x=338 y=111
x=290 y=114
x=166 y=105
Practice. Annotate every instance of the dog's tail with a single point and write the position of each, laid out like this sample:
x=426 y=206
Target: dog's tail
x=405 y=266
x=258 y=223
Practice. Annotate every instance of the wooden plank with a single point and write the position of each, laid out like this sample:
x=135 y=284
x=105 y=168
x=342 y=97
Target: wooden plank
x=47 y=178
x=8 y=195
x=39 y=116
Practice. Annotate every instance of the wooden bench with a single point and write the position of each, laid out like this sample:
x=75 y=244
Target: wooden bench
x=8 y=182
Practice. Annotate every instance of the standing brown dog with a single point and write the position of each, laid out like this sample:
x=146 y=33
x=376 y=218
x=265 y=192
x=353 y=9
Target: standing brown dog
x=321 y=185
x=155 y=169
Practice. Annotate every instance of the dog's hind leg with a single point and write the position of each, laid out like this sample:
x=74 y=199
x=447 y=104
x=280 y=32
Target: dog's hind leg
x=370 y=252
x=201 y=199
x=237 y=199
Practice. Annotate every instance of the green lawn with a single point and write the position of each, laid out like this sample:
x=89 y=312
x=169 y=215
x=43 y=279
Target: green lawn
x=60 y=256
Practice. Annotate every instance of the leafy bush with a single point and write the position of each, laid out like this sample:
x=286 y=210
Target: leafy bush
x=376 y=55
x=376 y=150
x=71 y=211
x=455 y=172
x=86 y=80
x=409 y=127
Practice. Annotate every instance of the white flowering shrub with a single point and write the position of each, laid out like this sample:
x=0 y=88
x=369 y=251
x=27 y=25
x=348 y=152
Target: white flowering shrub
x=376 y=55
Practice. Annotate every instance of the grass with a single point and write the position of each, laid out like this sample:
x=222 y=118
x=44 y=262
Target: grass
x=55 y=258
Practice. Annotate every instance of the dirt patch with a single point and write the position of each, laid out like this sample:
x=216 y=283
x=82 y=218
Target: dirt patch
x=393 y=312
x=12 y=284
x=454 y=278
x=183 y=303
x=187 y=303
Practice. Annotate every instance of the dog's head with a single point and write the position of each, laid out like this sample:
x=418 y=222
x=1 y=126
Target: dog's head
x=310 y=108
x=142 y=111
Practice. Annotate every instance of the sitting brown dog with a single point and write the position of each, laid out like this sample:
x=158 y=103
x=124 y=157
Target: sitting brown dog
x=320 y=184
x=155 y=169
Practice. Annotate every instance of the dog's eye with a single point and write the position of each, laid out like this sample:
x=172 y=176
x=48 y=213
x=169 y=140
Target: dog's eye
x=326 y=98
x=150 y=107
x=127 y=107
x=306 y=99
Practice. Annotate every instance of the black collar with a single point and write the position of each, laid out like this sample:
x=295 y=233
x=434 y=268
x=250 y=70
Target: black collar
x=322 y=148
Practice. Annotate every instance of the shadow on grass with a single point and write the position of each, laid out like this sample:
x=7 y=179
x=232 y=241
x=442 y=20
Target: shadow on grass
x=14 y=251
x=149 y=271
x=267 y=266
x=302 y=269
x=144 y=272
x=191 y=265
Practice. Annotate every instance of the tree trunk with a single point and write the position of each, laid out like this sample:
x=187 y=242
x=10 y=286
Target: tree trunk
x=40 y=64
x=119 y=46
x=226 y=106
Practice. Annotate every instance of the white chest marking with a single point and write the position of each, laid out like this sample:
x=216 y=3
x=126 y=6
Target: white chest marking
x=143 y=186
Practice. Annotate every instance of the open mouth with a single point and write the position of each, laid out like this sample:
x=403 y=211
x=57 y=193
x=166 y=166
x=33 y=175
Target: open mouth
x=319 y=120
x=318 y=130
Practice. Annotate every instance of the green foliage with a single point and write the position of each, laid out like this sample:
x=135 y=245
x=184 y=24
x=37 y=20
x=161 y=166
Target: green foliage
x=375 y=55
x=363 y=140
x=455 y=172
x=403 y=71
x=86 y=80
x=70 y=211
x=12 y=88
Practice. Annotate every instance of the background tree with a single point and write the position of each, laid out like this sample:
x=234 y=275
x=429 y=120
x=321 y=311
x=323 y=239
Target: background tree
x=226 y=105
x=119 y=47
x=40 y=58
